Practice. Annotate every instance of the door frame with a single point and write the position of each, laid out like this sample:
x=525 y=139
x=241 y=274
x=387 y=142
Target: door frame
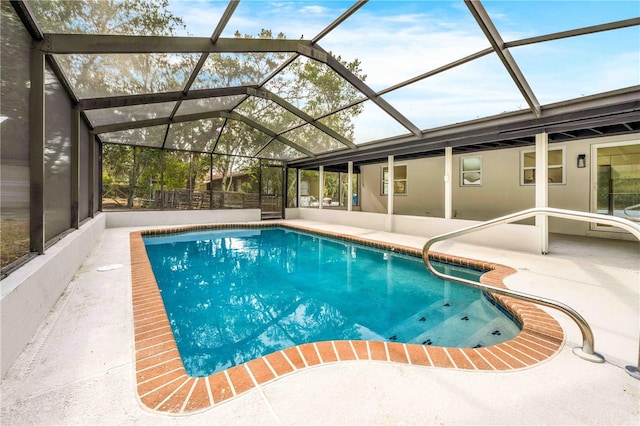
x=273 y=164
x=622 y=140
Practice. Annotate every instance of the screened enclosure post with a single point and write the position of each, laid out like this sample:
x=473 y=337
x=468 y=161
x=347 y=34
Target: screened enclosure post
x=542 y=188
x=91 y=177
x=349 y=186
x=36 y=151
x=211 y=181
x=283 y=192
x=285 y=189
x=297 y=190
x=260 y=184
x=339 y=186
x=320 y=186
x=448 y=183
x=390 y=193
x=162 y=197
x=100 y=190
x=298 y=186
x=75 y=168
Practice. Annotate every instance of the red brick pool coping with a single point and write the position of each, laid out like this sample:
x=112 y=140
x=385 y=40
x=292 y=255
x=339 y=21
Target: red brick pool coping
x=163 y=384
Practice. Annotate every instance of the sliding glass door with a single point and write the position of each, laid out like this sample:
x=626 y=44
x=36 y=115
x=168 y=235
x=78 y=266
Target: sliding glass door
x=616 y=180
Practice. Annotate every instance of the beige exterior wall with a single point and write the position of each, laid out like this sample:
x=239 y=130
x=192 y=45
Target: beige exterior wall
x=425 y=188
x=500 y=193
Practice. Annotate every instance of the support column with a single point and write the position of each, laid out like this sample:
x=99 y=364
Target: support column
x=100 y=167
x=162 y=195
x=36 y=152
x=211 y=181
x=349 y=186
x=75 y=168
x=320 y=186
x=390 y=192
x=260 y=185
x=542 y=188
x=298 y=187
x=283 y=196
x=92 y=172
x=448 y=183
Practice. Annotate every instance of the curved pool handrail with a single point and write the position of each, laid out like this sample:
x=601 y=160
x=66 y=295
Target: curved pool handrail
x=630 y=217
x=587 y=350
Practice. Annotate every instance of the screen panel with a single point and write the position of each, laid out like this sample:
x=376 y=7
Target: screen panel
x=105 y=116
x=302 y=19
x=476 y=89
x=84 y=170
x=313 y=87
x=198 y=136
x=103 y=75
x=277 y=150
x=316 y=141
x=364 y=122
x=57 y=158
x=146 y=136
x=238 y=138
x=14 y=140
x=398 y=40
x=222 y=103
x=269 y=114
x=556 y=69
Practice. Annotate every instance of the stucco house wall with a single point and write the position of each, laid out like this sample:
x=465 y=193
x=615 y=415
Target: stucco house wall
x=501 y=191
x=425 y=188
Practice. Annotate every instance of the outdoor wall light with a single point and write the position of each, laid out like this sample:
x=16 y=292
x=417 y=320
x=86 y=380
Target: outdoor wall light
x=582 y=161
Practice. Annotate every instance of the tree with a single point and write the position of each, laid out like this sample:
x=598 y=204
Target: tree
x=312 y=86
x=105 y=75
x=130 y=167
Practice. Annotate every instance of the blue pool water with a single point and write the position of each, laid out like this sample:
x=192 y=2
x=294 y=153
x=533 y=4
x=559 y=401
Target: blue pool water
x=233 y=295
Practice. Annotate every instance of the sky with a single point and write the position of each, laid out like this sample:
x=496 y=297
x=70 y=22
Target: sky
x=398 y=40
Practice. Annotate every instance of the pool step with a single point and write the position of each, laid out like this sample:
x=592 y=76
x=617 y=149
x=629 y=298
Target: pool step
x=491 y=334
x=457 y=327
x=474 y=325
x=424 y=319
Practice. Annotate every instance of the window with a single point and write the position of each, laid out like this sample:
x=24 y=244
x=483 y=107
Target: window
x=309 y=188
x=471 y=171
x=556 y=172
x=617 y=180
x=399 y=180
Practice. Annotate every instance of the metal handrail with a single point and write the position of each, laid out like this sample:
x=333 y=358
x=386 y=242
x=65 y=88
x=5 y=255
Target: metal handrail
x=587 y=350
x=634 y=207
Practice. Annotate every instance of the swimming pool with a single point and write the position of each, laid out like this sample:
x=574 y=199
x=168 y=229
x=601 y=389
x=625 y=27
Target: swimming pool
x=163 y=384
x=233 y=295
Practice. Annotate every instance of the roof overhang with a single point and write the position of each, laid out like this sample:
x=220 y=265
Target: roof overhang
x=610 y=113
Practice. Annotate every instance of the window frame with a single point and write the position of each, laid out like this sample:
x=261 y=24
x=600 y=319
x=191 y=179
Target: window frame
x=463 y=172
x=384 y=184
x=562 y=166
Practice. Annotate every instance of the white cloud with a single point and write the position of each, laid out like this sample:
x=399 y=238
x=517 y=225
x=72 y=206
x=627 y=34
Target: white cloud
x=315 y=10
x=201 y=17
x=391 y=53
x=396 y=44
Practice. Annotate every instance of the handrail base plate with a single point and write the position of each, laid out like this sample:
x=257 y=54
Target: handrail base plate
x=633 y=371
x=594 y=357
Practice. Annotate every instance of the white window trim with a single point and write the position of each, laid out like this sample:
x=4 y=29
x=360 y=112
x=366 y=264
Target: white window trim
x=462 y=172
x=563 y=165
x=395 y=179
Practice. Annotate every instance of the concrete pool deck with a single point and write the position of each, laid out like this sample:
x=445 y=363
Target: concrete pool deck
x=80 y=368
